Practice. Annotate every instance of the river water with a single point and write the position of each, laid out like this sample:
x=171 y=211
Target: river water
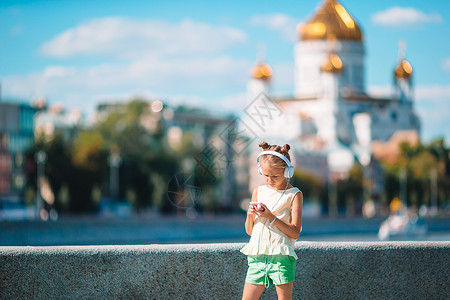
x=91 y=230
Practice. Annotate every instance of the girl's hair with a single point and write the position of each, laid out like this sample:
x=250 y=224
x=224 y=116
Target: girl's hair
x=273 y=160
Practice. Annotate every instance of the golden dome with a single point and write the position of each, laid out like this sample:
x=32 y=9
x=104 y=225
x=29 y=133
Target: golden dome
x=331 y=22
x=333 y=64
x=403 y=69
x=262 y=71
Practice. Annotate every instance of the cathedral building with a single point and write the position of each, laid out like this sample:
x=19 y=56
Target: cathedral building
x=331 y=120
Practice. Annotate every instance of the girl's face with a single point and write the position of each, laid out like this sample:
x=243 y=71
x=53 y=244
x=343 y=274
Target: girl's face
x=274 y=176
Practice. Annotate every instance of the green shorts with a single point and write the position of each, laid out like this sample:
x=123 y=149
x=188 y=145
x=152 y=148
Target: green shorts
x=270 y=269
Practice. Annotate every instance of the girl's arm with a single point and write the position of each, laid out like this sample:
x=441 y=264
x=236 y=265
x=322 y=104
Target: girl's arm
x=294 y=228
x=251 y=214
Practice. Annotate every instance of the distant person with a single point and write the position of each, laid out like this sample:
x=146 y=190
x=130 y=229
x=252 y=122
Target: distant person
x=274 y=222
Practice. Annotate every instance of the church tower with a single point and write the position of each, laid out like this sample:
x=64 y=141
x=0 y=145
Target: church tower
x=259 y=81
x=403 y=89
x=330 y=35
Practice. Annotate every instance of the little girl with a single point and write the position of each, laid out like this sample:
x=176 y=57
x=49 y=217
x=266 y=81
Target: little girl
x=274 y=222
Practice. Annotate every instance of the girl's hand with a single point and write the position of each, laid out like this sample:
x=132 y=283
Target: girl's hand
x=266 y=213
x=251 y=209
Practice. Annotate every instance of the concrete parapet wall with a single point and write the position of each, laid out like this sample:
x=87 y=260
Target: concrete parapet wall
x=379 y=270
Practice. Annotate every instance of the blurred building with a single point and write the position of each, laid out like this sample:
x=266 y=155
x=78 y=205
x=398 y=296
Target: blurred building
x=330 y=117
x=221 y=156
x=151 y=119
x=56 y=120
x=16 y=136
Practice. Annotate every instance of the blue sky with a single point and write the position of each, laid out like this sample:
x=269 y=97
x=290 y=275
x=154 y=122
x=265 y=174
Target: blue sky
x=80 y=53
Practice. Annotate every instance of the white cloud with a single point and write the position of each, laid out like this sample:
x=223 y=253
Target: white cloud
x=446 y=64
x=58 y=72
x=158 y=58
x=433 y=93
x=122 y=37
x=155 y=76
x=234 y=102
x=194 y=74
x=404 y=16
x=284 y=24
x=433 y=105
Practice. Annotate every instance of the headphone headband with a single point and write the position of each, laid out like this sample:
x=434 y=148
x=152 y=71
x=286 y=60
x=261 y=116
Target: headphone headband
x=276 y=154
x=289 y=170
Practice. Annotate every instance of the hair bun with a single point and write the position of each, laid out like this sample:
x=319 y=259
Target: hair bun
x=264 y=145
x=285 y=148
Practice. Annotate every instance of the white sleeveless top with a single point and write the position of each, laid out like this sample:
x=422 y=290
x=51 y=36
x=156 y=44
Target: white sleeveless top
x=267 y=239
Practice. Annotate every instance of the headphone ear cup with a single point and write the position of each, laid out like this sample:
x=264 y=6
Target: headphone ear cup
x=289 y=172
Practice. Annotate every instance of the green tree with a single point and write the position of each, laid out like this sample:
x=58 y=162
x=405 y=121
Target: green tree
x=419 y=163
x=89 y=167
x=308 y=183
x=350 y=191
x=75 y=165
x=123 y=133
x=57 y=165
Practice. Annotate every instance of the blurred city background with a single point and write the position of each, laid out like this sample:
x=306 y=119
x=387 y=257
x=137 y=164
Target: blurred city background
x=139 y=123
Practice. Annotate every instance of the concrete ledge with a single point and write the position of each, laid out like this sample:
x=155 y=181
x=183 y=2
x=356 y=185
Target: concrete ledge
x=380 y=270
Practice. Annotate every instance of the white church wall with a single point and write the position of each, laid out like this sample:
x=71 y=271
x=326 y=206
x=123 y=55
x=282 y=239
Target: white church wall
x=311 y=55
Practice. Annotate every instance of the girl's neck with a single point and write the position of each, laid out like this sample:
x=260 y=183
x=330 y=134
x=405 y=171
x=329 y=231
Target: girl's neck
x=285 y=185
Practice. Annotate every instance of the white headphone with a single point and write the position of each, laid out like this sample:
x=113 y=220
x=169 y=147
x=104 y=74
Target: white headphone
x=288 y=171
